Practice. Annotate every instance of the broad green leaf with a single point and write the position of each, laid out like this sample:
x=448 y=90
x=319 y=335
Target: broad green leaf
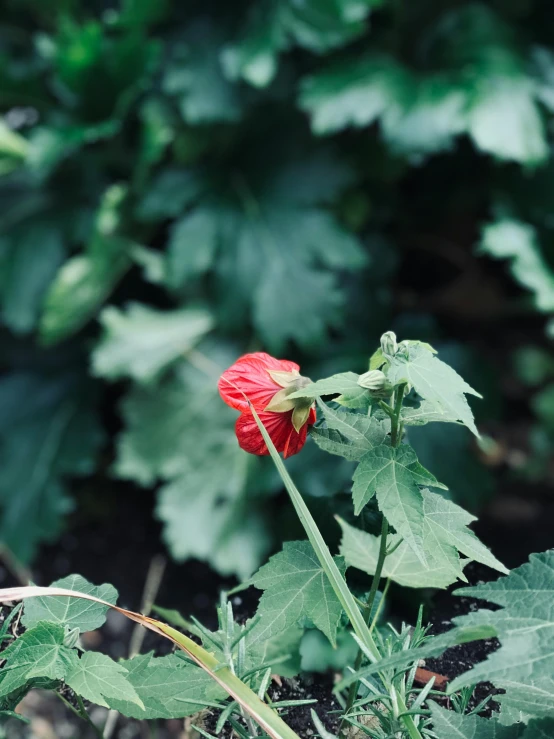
x=350 y=435
x=30 y=255
x=194 y=76
x=361 y=550
x=39 y=652
x=319 y=656
x=394 y=476
x=523 y=666
x=504 y=118
x=271 y=27
x=296 y=588
x=425 y=412
x=49 y=433
x=446 y=529
x=192 y=246
x=167 y=687
x=435 y=381
x=97 y=678
x=449 y=724
x=352 y=93
x=210 y=527
x=168 y=194
x=173 y=432
x=84 y=615
x=342 y=383
x=141 y=342
x=84 y=282
x=510 y=239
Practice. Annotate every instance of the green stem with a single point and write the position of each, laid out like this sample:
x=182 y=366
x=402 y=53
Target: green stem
x=396 y=424
x=82 y=712
x=396 y=438
x=353 y=692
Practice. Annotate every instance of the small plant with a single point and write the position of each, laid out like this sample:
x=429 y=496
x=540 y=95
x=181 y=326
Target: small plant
x=424 y=541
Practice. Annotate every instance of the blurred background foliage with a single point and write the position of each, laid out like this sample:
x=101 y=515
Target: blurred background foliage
x=184 y=182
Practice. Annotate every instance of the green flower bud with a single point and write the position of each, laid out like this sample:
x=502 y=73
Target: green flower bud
x=373 y=380
x=388 y=343
x=404 y=349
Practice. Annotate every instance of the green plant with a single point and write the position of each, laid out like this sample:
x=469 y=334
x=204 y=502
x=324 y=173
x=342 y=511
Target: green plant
x=304 y=586
x=268 y=174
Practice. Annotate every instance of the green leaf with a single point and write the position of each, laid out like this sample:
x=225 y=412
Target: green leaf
x=84 y=615
x=394 y=476
x=350 y=435
x=141 y=342
x=344 y=382
x=97 y=678
x=449 y=724
x=523 y=666
x=435 y=381
x=173 y=432
x=49 y=433
x=168 y=194
x=426 y=412
x=195 y=77
x=295 y=588
x=271 y=27
x=84 y=282
x=30 y=256
x=192 y=246
x=361 y=550
x=510 y=239
x=167 y=687
x=504 y=118
x=39 y=652
x=352 y=93
x=446 y=529
x=200 y=522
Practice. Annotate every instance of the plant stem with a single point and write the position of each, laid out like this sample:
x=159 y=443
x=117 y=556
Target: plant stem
x=396 y=437
x=396 y=425
x=84 y=715
x=353 y=692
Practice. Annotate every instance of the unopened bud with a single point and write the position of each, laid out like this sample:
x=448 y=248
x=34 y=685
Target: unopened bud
x=404 y=349
x=388 y=343
x=372 y=380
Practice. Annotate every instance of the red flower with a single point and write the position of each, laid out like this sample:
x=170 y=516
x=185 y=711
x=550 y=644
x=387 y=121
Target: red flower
x=267 y=382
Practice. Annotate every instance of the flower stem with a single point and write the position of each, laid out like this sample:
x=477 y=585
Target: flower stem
x=396 y=437
x=353 y=692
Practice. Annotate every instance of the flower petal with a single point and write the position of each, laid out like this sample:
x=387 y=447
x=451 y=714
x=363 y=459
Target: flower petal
x=280 y=429
x=248 y=379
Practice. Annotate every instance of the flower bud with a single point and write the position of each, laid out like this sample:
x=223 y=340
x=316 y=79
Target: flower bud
x=404 y=349
x=372 y=380
x=388 y=343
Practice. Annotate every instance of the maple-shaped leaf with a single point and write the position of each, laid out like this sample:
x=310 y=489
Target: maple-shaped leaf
x=97 y=678
x=344 y=382
x=140 y=342
x=349 y=435
x=296 y=588
x=446 y=530
x=434 y=380
x=524 y=665
x=39 y=652
x=361 y=550
x=394 y=475
x=85 y=615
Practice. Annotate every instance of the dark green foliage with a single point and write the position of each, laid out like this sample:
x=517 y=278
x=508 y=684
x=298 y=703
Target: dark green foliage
x=254 y=170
